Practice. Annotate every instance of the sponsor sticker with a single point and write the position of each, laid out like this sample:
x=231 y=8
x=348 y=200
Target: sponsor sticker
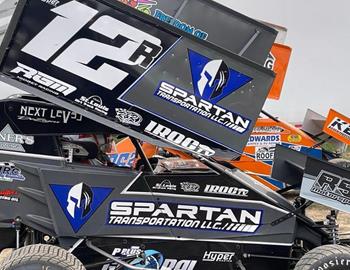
x=48 y=115
x=9 y=173
x=338 y=126
x=79 y=202
x=43 y=81
x=162 y=16
x=295 y=138
x=264 y=153
x=14 y=142
x=9 y=195
x=262 y=140
x=165 y=185
x=179 y=139
x=225 y=190
x=190 y=217
x=93 y=102
x=189 y=187
x=218 y=256
x=333 y=187
x=268 y=129
x=128 y=117
x=213 y=80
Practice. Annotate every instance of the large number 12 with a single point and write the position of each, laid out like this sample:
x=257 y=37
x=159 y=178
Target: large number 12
x=140 y=48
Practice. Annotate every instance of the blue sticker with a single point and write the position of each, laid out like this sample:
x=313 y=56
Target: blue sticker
x=213 y=80
x=79 y=202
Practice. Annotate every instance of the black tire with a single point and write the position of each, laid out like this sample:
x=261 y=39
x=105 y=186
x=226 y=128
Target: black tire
x=329 y=257
x=341 y=162
x=41 y=257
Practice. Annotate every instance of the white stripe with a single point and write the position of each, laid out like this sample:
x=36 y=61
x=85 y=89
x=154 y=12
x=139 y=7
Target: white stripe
x=3 y=152
x=200 y=240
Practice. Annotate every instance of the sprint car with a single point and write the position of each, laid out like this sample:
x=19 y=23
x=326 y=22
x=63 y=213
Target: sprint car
x=127 y=72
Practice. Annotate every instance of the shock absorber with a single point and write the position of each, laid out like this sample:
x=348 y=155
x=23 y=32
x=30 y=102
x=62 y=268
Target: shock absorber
x=333 y=227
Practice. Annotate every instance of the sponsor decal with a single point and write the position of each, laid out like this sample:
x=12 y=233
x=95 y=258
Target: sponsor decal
x=295 y=138
x=173 y=264
x=165 y=185
x=46 y=115
x=141 y=5
x=162 y=16
x=14 y=142
x=9 y=172
x=218 y=256
x=264 y=153
x=333 y=187
x=135 y=48
x=123 y=159
x=262 y=140
x=189 y=187
x=268 y=129
x=270 y=61
x=79 y=202
x=184 y=216
x=178 y=139
x=224 y=190
x=128 y=117
x=212 y=81
x=295 y=147
x=341 y=127
x=43 y=81
x=94 y=102
x=9 y=195
x=54 y=3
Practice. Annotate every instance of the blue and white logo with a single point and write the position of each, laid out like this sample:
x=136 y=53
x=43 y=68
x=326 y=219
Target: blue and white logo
x=79 y=202
x=213 y=80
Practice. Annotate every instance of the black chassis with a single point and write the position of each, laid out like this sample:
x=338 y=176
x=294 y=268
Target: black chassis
x=40 y=215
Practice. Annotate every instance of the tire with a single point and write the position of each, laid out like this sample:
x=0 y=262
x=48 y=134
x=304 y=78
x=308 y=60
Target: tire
x=329 y=257
x=41 y=257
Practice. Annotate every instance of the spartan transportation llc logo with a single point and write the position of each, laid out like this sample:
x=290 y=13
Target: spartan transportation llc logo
x=79 y=202
x=332 y=186
x=213 y=81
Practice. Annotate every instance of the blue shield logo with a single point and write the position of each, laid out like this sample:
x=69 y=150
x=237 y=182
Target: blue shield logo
x=79 y=202
x=213 y=80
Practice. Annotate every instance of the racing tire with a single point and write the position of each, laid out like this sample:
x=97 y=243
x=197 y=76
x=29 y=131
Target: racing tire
x=41 y=257
x=329 y=257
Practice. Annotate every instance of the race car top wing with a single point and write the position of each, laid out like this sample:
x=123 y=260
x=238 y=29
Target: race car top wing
x=210 y=21
x=337 y=125
x=137 y=75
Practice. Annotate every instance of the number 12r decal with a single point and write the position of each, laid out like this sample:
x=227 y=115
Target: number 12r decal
x=138 y=48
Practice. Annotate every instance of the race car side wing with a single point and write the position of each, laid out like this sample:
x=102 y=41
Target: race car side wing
x=337 y=125
x=155 y=83
x=313 y=123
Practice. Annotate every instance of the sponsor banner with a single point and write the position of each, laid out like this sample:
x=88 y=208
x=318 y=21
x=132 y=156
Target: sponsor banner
x=263 y=140
x=99 y=61
x=278 y=61
x=338 y=126
x=184 y=216
x=326 y=184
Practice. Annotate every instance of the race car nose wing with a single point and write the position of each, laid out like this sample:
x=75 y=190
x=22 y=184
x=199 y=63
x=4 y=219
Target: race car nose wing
x=134 y=74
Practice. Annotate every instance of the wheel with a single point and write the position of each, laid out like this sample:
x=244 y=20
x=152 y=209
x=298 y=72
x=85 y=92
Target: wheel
x=44 y=257
x=329 y=257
